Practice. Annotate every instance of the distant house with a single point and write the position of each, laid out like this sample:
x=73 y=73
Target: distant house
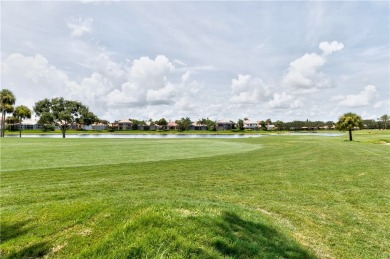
x=251 y=125
x=147 y=126
x=123 y=125
x=223 y=125
x=86 y=127
x=172 y=126
x=270 y=127
x=30 y=124
x=99 y=126
x=198 y=126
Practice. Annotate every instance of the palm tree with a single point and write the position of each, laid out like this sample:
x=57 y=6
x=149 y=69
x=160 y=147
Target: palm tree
x=7 y=100
x=22 y=112
x=349 y=121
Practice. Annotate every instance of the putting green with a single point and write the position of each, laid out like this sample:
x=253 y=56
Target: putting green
x=59 y=153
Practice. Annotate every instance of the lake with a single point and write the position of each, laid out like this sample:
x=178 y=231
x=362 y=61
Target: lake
x=173 y=136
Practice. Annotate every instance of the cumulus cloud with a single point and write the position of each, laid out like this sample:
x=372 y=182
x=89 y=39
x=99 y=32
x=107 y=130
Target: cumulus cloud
x=29 y=77
x=366 y=97
x=329 y=47
x=284 y=101
x=304 y=72
x=248 y=89
x=79 y=26
x=144 y=82
x=147 y=83
x=163 y=95
x=91 y=90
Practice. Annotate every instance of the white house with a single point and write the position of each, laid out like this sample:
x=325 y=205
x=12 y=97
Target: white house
x=251 y=125
x=99 y=126
x=30 y=124
x=270 y=127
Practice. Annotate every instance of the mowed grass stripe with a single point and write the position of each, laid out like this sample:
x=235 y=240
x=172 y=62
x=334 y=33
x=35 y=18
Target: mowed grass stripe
x=54 y=153
x=297 y=197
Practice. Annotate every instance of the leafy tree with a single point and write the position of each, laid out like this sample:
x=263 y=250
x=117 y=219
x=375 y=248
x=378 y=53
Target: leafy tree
x=240 y=124
x=162 y=122
x=370 y=124
x=263 y=126
x=86 y=117
x=279 y=125
x=20 y=113
x=11 y=120
x=384 y=118
x=62 y=113
x=184 y=123
x=136 y=123
x=210 y=123
x=7 y=101
x=349 y=121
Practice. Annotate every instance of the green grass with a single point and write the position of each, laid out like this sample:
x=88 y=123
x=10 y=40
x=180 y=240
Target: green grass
x=269 y=197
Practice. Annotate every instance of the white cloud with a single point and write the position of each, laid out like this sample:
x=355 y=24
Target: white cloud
x=31 y=77
x=329 y=47
x=79 y=26
x=146 y=84
x=364 y=98
x=163 y=95
x=383 y=104
x=303 y=73
x=247 y=89
x=284 y=101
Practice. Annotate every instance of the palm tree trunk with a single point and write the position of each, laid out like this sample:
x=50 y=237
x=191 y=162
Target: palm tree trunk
x=20 y=128
x=2 y=122
x=350 y=134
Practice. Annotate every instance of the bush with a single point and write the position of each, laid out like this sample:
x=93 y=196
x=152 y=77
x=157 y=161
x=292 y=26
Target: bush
x=48 y=127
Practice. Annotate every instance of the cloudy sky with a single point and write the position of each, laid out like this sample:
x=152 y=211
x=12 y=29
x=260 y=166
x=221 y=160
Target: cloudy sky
x=257 y=59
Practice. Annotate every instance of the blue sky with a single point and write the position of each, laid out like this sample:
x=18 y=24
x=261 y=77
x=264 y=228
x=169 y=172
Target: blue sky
x=256 y=59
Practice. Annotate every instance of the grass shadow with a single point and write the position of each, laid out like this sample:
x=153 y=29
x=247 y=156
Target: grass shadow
x=239 y=238
x=12 y=230
x=38 y=250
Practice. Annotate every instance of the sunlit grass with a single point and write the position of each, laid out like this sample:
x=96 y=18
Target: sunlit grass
x=269 y=197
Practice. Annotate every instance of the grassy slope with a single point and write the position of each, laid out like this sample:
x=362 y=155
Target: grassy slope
x=276 y=196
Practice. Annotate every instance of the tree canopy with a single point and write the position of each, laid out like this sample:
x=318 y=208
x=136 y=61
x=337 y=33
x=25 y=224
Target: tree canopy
x=7 y=101
x=63 y=113
x=349 y=121
x=20 y=113
x=184 y=123
x=384 y=118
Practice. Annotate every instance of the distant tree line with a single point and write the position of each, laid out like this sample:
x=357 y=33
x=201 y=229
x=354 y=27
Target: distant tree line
x=65 y=114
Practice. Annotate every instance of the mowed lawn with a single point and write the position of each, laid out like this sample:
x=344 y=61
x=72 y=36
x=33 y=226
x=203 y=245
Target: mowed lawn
x=268 y=197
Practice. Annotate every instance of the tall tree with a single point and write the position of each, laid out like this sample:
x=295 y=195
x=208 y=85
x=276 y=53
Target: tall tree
x=210 y=123
x=7 y=101
x=184 y=123
x=279 y=124
x=86 y=117
x=240 y=124
x=162 y=122
x=60 y=112
x=349 y=121
x=20 y=113
x=384 y=118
